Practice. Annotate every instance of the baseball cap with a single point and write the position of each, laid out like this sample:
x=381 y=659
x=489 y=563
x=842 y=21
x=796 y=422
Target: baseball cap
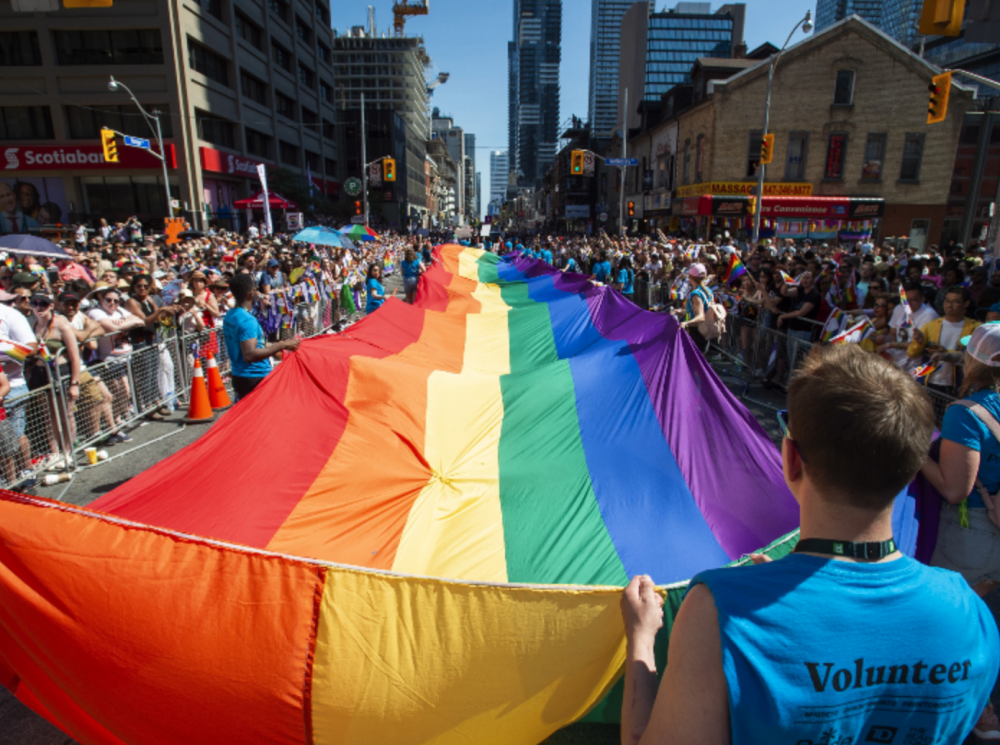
x=273 y=262
x=983 y=344
x=65 y=296
x=25 y=279
x=697 y=270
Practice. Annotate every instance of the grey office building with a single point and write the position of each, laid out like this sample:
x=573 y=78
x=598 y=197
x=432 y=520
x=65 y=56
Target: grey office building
x=533 y=87
x=605 y=45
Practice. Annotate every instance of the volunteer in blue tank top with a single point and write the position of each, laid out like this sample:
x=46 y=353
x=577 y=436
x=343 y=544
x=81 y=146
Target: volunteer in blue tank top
x=412 y=269
x=843 y=641
x=696 y=305
x=970 y=455
x=626 y=277
x=601 y=271
x=376 y=293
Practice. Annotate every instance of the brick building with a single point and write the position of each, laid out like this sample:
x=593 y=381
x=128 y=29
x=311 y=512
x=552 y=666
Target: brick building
x=848 y=110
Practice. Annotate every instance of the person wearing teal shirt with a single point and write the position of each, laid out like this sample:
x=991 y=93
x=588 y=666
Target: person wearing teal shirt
x=547 y=256
x=626 y=278
x=602 y=269
x=376 y=293
x=845 y=639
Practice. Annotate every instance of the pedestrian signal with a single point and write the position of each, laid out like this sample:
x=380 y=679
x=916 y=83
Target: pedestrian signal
x=942 y=17
x=389 y=169
x=109 y=145
x=631 y=209
x=357 y=208
x=939 y=88
x=576 y=162
x=767 y=149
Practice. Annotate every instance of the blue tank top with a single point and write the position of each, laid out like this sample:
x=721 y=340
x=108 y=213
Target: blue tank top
x=822 y=651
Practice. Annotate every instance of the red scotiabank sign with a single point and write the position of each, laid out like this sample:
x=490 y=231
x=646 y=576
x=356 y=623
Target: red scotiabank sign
x=217 y=161
x=89 y=157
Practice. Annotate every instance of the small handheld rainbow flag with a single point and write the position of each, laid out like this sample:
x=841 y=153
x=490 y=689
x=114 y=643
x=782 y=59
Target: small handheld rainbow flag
x=854 y=335
x=851 y=291
x=924 y=371
x=908 y=320
x=16 y=351
x=735 y=270
x=834 y=324
x=787 y=279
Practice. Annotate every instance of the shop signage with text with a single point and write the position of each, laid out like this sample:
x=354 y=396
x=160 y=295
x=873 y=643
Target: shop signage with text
x=745 y=188
x=217 y=161
x=90 y=157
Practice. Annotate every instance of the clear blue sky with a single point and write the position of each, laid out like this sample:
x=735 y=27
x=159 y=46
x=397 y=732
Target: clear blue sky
x=468 y=38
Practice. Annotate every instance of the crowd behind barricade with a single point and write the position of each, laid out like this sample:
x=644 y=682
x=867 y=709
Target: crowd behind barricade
x=97 y=342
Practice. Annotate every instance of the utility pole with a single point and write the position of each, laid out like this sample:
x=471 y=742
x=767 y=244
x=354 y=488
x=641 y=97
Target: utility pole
x=621 y=196
x=364 y=157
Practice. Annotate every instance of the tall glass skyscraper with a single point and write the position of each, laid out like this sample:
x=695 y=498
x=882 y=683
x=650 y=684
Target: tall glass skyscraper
x=900 y=19
x=499 y=173
x=677 y=37
x=605 y=45
x=533 y=87
x=829 y=12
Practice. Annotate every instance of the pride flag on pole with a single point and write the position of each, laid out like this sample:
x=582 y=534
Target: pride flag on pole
x=735 y=271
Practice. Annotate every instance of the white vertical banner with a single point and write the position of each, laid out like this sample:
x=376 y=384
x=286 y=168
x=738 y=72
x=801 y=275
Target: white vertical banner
x=262 y=172
x=375 y=173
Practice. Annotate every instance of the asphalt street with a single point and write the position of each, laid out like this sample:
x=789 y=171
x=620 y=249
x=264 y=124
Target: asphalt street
x=155 y=441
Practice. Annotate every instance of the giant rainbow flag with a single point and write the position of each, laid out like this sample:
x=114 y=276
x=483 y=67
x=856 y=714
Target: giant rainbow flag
x=415 y=531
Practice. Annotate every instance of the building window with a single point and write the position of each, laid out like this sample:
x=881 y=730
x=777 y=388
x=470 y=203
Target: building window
x=307 y=78
x=326 y=92
x=843 y=92
x=288 y=153
x=795 y=161
x=312 y=160
x=86 y=122
x=208 y=63
x=279 y=8
x=687 y=161
x=699 y=159
x=215 y=130
x=310 y=118
x=328 y=130
x=253 y=89
x=26 y=123
x=871 y=169
x=303 y=31
x=661 y=170
x=19 y=49
x=913 y=153
x=836 y=155
x=324 y=52
x=126 y=47
x=284 y=105
x=212 y=7
x=281 y=56
x=258 y=143
x=331 y=166
x=120 y=196
x=755 y=142
x=323 y=13
x=249 y=31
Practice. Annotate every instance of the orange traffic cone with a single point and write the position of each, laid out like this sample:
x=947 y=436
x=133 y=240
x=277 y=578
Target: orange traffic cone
x=217 y=395
x=199 y=410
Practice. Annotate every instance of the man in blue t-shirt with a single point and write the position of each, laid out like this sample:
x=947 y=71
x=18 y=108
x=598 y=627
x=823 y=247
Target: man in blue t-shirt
x=249 y=356
x=844 y=640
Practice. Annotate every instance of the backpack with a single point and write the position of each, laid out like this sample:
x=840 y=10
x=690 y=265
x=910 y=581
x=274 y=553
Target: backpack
x=714 y=325
x=992 y=501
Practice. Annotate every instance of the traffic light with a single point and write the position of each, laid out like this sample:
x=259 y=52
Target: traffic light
x=357 y=208
x=751 y=205
x=942 y=17
x=576 y=162
x=389 y=169
x=767 y=149
x=940 y=88
x=631 y=209
x=109 y=145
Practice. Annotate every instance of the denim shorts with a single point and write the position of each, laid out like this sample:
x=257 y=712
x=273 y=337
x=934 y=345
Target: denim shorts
x=17 y=410
x=973 y=552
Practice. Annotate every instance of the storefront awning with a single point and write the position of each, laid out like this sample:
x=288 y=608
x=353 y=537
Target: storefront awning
x=787 y=208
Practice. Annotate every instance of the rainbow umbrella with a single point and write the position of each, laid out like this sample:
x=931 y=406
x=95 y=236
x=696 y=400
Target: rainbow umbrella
x=415 y=532
x=359 y=232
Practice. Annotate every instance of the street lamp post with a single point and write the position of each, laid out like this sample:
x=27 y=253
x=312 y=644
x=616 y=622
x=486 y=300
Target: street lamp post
x=113 y=86
x=806 y=24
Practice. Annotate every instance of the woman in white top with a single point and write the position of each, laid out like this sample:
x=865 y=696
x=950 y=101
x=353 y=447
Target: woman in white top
x=114 y=346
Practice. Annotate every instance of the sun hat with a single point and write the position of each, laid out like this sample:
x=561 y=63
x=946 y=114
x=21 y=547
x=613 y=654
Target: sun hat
x=697 y=270
x=983 y=345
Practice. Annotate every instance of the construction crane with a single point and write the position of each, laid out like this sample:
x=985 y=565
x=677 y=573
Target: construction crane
x=440 y=79
x=402 y=8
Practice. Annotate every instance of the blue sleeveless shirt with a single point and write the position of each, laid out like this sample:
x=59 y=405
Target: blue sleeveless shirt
x=818 y=651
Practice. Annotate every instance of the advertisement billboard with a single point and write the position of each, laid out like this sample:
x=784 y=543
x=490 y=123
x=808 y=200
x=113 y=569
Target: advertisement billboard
x=28 y=203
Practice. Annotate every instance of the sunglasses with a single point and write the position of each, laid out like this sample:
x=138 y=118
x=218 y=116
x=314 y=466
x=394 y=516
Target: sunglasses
x=141 y=284
x=782 y=417
x=41 y=304
x=113 y=300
